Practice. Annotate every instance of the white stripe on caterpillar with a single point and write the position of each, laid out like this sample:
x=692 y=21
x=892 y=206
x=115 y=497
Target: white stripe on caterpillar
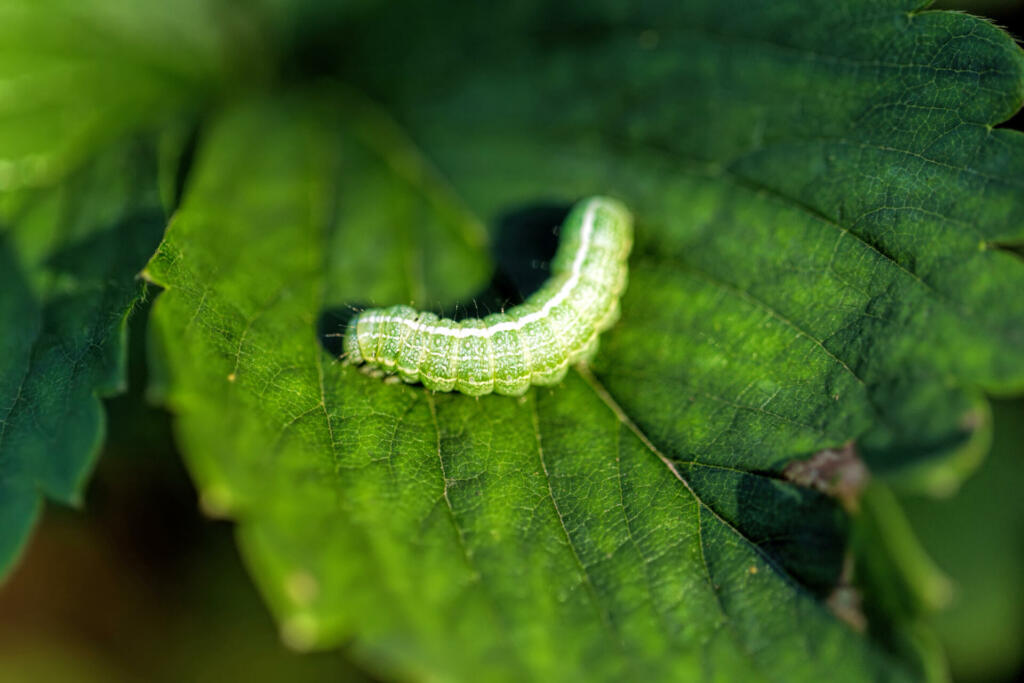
x=533 y=343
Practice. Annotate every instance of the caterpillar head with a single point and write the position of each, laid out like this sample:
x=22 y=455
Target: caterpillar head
x=351 y=351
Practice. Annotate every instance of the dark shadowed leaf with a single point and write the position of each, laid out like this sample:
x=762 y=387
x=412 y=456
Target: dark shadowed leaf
x=69 y=260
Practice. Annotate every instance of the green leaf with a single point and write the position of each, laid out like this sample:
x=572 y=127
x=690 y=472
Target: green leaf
x=819 y=195
x=873 y=152
x=76 y=76
x=415 y=502
x=69 y=258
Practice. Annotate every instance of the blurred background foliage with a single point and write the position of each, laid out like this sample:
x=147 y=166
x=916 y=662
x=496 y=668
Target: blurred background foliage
x=138 y=585
x=977 y=538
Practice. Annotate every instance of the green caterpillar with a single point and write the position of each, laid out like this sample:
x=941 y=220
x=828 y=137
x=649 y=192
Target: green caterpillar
x=533 y=343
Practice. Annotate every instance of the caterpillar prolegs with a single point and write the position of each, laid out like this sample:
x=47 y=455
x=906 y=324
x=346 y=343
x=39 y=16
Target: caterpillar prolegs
x=533 y=343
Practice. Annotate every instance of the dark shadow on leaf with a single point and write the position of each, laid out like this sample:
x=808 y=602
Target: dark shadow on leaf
x=523 y=248
x=1015 y=248
x=185 y=164
x=135 y=236
x=800 y=530
x=331 y=326
x=804 y=531
x=18 y=301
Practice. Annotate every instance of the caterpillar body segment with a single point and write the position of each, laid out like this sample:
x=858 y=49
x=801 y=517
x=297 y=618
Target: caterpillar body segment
x=530 y=344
